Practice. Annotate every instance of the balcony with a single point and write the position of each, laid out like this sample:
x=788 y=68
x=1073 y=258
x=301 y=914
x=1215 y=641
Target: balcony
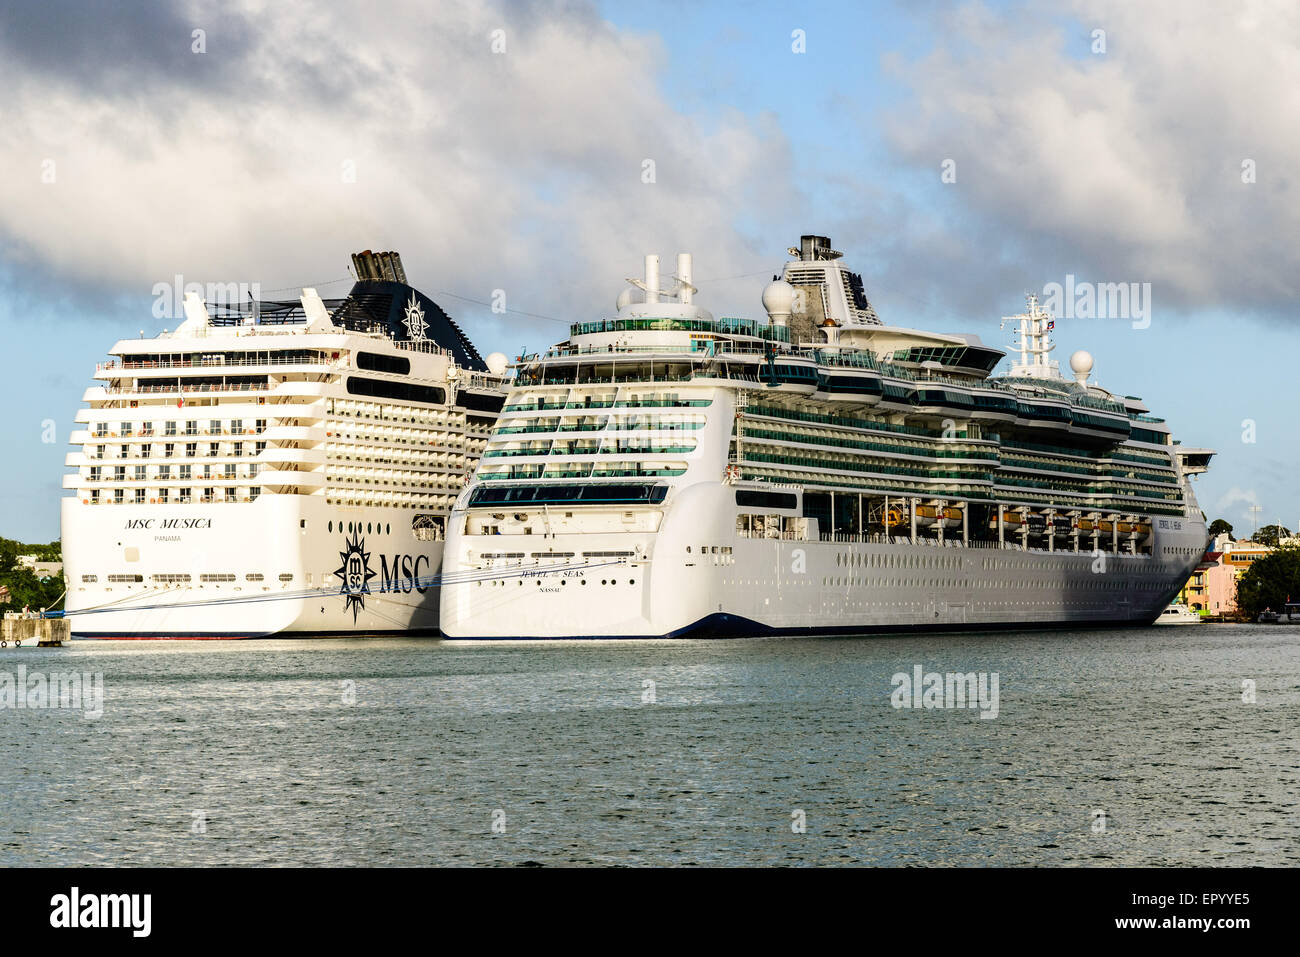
x=114 y=368
x=294 y=433
x=286 y=477
x=304 y=456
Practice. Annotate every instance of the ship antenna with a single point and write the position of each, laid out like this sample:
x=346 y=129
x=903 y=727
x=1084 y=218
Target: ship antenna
x=1034 y=341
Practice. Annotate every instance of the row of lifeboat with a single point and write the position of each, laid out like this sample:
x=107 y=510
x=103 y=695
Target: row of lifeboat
x=928 y=516
x=1036 y=524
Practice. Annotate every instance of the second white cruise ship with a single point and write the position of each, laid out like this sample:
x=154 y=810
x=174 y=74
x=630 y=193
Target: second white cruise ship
x=666 y=473
x=277 y=467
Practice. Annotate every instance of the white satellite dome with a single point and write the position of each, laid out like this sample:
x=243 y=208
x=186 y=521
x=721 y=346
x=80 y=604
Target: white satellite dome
x=1081 y=364
x=778 y=298
x=496 y=363
x=627 y=297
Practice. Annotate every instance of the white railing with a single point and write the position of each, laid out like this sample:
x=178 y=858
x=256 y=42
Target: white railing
x=272 y=360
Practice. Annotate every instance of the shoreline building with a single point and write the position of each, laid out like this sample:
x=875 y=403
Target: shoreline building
x=1212 y=588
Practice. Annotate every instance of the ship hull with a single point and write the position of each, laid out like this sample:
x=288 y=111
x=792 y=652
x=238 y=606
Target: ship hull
x=695 y=577
x=663 y=473
x=324 y=570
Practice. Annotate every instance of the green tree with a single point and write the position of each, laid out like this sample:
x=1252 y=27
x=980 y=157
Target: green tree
x=28 y=591
x=53 y=552
x=1269 y=535
x=1218 y=527
x=10 y=550
x=1270 y=582
x=25 y=589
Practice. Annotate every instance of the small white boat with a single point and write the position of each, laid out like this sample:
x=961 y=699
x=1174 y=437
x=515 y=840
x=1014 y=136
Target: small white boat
x=1178 y=615
x=1268 y=617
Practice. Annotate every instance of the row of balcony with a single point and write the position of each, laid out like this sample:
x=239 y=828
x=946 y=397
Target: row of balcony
x=274 y=433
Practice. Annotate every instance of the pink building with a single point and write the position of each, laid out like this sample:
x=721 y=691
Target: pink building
x=1212 y=589
x=1220 y=594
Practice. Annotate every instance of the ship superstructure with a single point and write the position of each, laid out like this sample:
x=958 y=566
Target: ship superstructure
x=664 y=473
x=276 y=466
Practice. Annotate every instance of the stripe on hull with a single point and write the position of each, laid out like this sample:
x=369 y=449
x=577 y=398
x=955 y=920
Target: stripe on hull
x=735 y=626
x=243 y=636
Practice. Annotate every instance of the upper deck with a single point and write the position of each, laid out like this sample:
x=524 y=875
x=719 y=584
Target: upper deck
x=845 y=403
x=330 y=399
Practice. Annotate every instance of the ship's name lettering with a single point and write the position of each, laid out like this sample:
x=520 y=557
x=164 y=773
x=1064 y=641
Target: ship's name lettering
x=169 y=523
x=404 y=574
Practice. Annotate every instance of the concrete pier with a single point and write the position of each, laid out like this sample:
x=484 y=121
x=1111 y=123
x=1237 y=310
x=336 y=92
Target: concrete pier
x=18 y=628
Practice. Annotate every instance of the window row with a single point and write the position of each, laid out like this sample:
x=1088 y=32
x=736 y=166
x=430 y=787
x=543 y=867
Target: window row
x=167 y=496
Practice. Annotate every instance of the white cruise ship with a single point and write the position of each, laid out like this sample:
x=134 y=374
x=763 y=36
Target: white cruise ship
x=285 y=467
x=666 y=473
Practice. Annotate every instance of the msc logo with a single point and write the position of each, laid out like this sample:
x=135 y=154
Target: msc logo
x=403 y=575
x=416 y=327
x=355 y=574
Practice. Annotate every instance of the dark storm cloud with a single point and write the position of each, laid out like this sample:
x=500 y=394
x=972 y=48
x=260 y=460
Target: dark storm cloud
x=117 y=47
x=327 y=127
x=145 y=50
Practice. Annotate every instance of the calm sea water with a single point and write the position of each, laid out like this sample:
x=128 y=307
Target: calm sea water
x=384 y=752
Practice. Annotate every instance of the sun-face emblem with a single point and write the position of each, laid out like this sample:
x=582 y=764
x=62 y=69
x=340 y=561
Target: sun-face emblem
x=355 y=575
x=414 y=321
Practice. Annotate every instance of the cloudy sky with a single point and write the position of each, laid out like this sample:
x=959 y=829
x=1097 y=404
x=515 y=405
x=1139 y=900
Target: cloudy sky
x=502 y=146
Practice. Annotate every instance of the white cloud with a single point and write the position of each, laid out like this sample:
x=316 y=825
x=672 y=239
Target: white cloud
x=1123 y=166
x=1235 y=504
x=519 y=170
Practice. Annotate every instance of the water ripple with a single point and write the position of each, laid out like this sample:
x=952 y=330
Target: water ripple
x=415 y=752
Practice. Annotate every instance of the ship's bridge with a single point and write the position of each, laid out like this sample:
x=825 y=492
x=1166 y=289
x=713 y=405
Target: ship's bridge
x=1193 y=461
x=963 y=355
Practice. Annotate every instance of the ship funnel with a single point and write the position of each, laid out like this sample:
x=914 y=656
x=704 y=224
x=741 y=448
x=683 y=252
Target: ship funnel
x=379 y=266
x=685 y=289
x=680 y=288
x=817 y=248
x=652 y=278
